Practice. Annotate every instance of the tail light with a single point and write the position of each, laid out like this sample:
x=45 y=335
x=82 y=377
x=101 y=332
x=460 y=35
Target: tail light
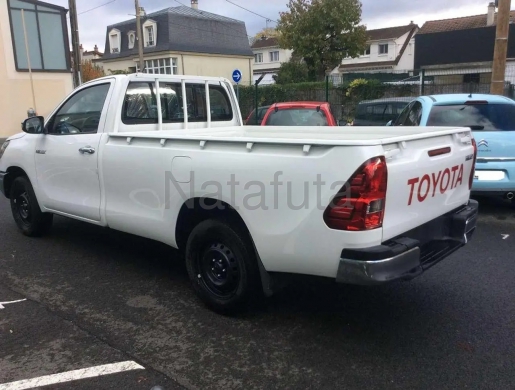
x=473 y=170
x=360 y=204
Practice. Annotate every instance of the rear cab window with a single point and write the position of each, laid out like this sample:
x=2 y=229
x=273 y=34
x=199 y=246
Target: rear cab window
x=140 y=103
x=478 y=116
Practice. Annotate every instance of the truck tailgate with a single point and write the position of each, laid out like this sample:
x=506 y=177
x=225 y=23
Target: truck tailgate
x=426 y=178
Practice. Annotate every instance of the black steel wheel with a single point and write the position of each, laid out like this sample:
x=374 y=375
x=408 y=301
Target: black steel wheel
x=25 y=209
x=222 y=266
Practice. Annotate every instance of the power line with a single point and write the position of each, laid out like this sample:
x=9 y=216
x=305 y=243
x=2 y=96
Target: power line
x=252 y=12
x=92 y=9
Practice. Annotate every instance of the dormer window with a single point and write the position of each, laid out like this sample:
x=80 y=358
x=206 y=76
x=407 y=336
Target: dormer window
x=150 y=33
x=132 y=39
x=114 y=41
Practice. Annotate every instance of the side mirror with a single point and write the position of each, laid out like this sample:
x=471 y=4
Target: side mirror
x=390 y=123
x=33 y=125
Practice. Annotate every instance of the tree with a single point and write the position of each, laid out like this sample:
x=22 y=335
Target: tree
x=91 y=71
x=267 y=32
x=323 y=32
x=291 y=72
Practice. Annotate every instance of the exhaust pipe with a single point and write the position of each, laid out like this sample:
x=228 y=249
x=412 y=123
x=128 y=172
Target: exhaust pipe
x=510 y=195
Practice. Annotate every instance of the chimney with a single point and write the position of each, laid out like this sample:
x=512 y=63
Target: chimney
x=490 y=17
x=194 y=4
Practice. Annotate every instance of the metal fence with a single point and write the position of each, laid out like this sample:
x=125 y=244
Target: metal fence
x=346 y=90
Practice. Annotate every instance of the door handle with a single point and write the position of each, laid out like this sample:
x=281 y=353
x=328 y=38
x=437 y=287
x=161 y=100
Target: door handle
x=87 y=149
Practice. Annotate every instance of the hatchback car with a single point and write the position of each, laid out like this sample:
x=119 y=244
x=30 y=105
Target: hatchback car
x=379 y=111
x=299 y=114
x=492 y=121
x=251 y=119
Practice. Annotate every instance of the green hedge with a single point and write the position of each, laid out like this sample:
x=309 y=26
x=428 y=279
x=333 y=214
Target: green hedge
x=343 y=98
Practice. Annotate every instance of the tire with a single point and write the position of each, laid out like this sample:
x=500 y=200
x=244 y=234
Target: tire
x=26 y=211
x=222 y=266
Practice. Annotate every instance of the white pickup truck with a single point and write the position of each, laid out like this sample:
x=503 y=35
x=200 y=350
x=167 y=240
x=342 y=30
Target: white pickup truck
x=168 y=158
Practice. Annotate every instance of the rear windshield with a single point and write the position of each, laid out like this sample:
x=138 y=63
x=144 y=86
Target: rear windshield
x=297 y=117
x=488 y=117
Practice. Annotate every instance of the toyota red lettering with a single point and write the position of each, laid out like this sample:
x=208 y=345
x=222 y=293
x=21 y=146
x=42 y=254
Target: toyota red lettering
x=443 y=181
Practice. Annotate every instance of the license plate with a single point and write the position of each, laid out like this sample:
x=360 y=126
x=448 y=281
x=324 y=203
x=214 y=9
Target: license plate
x=489 y=175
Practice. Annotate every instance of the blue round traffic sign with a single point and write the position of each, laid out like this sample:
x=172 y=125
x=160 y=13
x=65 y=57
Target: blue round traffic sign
x=236 y=76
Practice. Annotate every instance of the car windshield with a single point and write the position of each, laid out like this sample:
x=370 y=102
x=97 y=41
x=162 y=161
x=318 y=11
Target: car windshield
x=487 y=117
x=297 y=117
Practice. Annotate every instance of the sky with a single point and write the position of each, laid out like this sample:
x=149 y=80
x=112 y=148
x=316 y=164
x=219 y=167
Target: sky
x=375 y=13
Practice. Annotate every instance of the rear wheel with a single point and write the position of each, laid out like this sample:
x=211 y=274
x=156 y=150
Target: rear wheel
x=25 y=209
x=222 y=266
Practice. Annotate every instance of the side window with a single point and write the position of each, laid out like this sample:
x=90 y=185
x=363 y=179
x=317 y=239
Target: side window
x=81 y=113
x=414 y=115
x=403 y=115
x=140 y=104
x=378 y=111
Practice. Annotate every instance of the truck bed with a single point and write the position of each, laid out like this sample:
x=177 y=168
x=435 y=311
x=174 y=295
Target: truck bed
x=337 y=136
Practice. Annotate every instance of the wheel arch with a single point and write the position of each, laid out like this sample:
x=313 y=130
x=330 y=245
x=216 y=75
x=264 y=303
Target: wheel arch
x=13 y=172
x=195 y=210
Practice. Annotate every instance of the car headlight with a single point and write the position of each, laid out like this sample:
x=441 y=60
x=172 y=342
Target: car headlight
x=2 y=149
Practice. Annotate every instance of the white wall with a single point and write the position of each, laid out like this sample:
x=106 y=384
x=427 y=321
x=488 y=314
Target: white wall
x=284 y=56
x=394 y=47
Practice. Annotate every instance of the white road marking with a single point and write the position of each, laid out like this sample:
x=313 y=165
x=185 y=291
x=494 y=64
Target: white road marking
x=505 y=236
x=70 y=376
x=8 y=303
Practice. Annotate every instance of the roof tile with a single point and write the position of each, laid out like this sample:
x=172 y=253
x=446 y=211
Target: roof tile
x=463 y=23
x=389 y=32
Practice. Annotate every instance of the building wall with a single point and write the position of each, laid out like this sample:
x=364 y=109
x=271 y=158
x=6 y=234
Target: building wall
x=195 y=65
x=15 y=88
x=484 y=78
x=284 y=56
x=394 y=48
x=407 y=61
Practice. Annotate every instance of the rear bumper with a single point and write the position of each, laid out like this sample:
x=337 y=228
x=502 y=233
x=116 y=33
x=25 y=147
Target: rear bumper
x=3 y=176
x=410 y=255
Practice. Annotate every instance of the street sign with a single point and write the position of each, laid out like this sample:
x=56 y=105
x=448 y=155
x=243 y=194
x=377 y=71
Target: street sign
x=236 y=76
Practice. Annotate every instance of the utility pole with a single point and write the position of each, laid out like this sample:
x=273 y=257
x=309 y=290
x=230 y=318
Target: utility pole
x=501 y=47
x=74 y=27
x=140 y=41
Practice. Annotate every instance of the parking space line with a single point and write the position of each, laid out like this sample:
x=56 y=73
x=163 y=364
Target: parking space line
x=8 y=303
x=70 y=376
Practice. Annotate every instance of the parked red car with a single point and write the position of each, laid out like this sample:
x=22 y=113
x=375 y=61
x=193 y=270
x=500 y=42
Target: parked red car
x=299 y=114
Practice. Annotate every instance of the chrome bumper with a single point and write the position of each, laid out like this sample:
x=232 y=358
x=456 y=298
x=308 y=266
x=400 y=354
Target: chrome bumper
x=410 y=255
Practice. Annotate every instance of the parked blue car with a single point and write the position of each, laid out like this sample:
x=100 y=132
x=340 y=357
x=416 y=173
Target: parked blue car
x=492 y=120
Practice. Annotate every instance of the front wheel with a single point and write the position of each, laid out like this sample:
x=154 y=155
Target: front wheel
x=222 y=266
x=26 y=211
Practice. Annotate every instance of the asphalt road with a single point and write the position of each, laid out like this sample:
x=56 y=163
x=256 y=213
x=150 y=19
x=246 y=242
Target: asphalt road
x=96 y=297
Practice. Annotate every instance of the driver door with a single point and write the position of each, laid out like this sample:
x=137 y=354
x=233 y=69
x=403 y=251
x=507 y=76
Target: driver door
x=67 y=155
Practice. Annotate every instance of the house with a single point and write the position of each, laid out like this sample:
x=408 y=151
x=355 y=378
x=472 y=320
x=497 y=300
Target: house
x=268 y=57
x=94 y=55
x=48 y=59
x=460 y=50
x=388 y=49
x=86 y=55
x=181 y=40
